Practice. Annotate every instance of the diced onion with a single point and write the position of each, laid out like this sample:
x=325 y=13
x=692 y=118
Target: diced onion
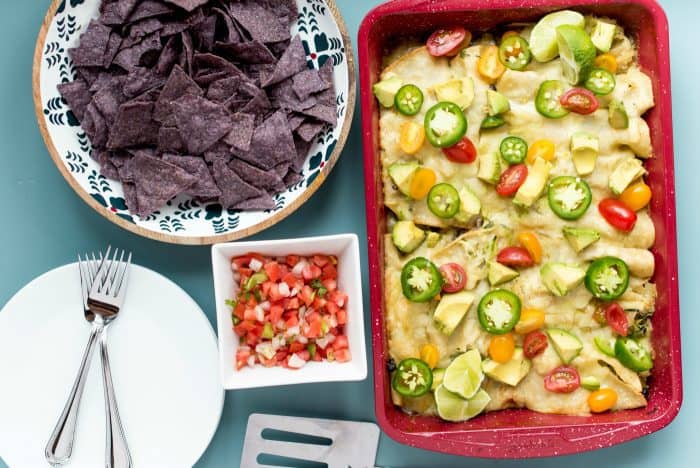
x=251 y=361
x=302 y=339
x=255 y=264
x=265 y=306
x=259 y=313
x=293 y=331
x=296 y=362
x=284 y=289
x=296 y=271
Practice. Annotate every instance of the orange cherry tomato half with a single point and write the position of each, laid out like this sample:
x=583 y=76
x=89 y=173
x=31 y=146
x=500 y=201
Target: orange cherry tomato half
x=447 y=41
x=515 y=257
x=511 y=180
x=502 y=348
x=530 y=320
x=607 y=62
x=579 y=100
x=534 y=343
x=602 y=400
x=508 y=34
x=532 y=245
x=636 y=196
x=462 y=152
x=489 y=65
x=454 y=276
x=541 y=149
x=423 y=181
x=412 y=137
x=617 y=319
x=617 y=214
x=430 y=355
x=563 y=379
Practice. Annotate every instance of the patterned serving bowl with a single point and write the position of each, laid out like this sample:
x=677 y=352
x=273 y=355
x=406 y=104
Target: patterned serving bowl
x=183 y=220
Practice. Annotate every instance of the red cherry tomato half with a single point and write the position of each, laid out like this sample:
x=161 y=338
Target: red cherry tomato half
x=563 y=379
x=579 y=100
x=534 y=343
x=616 y=318
x=463 y=152
x=446 y=41
x=617 y=214
x=511 y=180
x=455 y=277
x=515 y=256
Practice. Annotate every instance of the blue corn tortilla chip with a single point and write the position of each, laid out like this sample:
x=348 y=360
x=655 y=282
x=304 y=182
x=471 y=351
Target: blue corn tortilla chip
x=157 y=181
x=188 y=5
x=261 y=23
x=93 y=44
x=219 y=151
x=141 y=29
x=309 y=130
x=130 y=197
x=204 y=187
x=241 y=132
x=107 y=167
x=322 y=112
x=308 y=82
x=95 y=126
x=140 y=80
x=233 y=189
x=170 y=141
x=264 y=202
x=224 y=89
x=140 y=54
x=232 y=35
x=282 y=95
x=77 y=96
x=201 y=122
x=168 y=56
x=113 y=46
x=292 y=178
x=177 y=85
x=295 y=120
x=89 y=74
x=116 y=12
x=272 y=143
x=247 y=52
x=149 y=9
x=108 y=98
x=265 y=180
x=293 y=61
x=133 y=126
x=301 y=149
x=187 y=54
x=205 y=33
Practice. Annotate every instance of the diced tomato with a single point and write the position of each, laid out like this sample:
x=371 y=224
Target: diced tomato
x=294 y=303
x=281 y=355
x=343 y=355
x=265 y=287
x=313 y=330
x=319 y=303
x=330 y=284
x=276 y=313
x=332 y=308
x=273 y=271
x=304 y=355
x=245 y=273
x=339 y=297
x=274 y=293
x=290 y=279
x=292 y=321
x=295 y=347
x=310 y=272
x=241 y=261
x=242 y=356
x=317 y=357
x=340 y=342
x=292 y=260
x=238 y=310
x=307 y=295
x=267 y=362
x=329 y=272
x=342 y=317
x=320 y=260
x=249 y=314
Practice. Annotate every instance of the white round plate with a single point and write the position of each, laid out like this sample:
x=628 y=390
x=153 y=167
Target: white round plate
x=164 y=363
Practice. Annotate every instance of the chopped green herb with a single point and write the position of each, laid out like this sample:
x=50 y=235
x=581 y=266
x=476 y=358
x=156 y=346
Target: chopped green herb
x=231 y=303
x=311 y=348
x=235 y=319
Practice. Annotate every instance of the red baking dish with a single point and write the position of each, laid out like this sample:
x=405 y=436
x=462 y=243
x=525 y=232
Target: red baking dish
x=524 y=433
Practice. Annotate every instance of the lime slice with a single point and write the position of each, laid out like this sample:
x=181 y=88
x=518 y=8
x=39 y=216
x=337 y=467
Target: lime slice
x=543 y=39
x=464 y=375
x=452 y=407
x=577 y=53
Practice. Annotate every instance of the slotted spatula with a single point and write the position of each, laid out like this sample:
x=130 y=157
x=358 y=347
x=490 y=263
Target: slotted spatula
x=352 y=444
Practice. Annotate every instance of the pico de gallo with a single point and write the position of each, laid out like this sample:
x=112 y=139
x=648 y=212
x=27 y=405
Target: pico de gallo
x=288 y=311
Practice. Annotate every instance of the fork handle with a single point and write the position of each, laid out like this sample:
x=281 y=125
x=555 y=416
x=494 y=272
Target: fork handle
x=60 y=445
x=116 y=451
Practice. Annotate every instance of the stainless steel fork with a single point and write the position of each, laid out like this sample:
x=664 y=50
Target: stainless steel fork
x=105 y=300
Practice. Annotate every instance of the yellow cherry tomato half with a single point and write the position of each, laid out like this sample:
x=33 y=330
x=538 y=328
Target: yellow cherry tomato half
x=411 y=137
x=502 y=347
x=508 y=34
x=430 y=355
x=532 y=245
x=541 y=148
x=489 y=65
x=607 y=62
x=423 y=181
x=602 y=400
x=636 y=196
x=530 y=320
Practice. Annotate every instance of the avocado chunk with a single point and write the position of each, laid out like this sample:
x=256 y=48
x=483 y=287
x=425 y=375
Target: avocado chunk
x=626 y=172
x=469 y=206
x=580 y=238
x=402 y=175
x=602 y=35
x=489 y=168
x=560 y=278
x=617 y=115
x=497 y=102
x=451 y=310
x=584 y=152
x=407 y=236
x=509 y=373
x=590 y=382
x=499 y=274
x=385 y=90
x=438 y=375
x=432 y=239
x=567 y=345
x=534 y=184
x=460 y=91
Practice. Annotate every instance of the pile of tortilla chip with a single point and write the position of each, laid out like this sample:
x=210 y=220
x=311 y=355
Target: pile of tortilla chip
x=212 y=98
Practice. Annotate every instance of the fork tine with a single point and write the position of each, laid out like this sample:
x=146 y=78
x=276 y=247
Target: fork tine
x=104 y=272
x=84 y=278
x=107 y=278
x=123 y=278
x=113 y=277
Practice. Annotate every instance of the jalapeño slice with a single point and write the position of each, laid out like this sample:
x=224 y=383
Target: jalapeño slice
x=513 y=149
x=569 y=197
x=600 y=81
x=492 y=121
x=445 y=124
x=514 y=53
x=607 y=278
x=409 y=99
x=547 y=100
x=632 y=355
x=412 y=378
x=499 y=311
x=443 y=200
x=421 y=280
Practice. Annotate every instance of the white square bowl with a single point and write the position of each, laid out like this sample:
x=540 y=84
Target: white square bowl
x=346 y=248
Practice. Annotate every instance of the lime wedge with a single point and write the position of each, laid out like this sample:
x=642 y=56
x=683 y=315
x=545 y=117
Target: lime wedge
x=464 y=375
x=452 y=407
x=543 y=39
x=577 y=53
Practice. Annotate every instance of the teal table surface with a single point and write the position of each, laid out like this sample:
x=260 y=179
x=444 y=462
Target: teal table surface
x=43 y=224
